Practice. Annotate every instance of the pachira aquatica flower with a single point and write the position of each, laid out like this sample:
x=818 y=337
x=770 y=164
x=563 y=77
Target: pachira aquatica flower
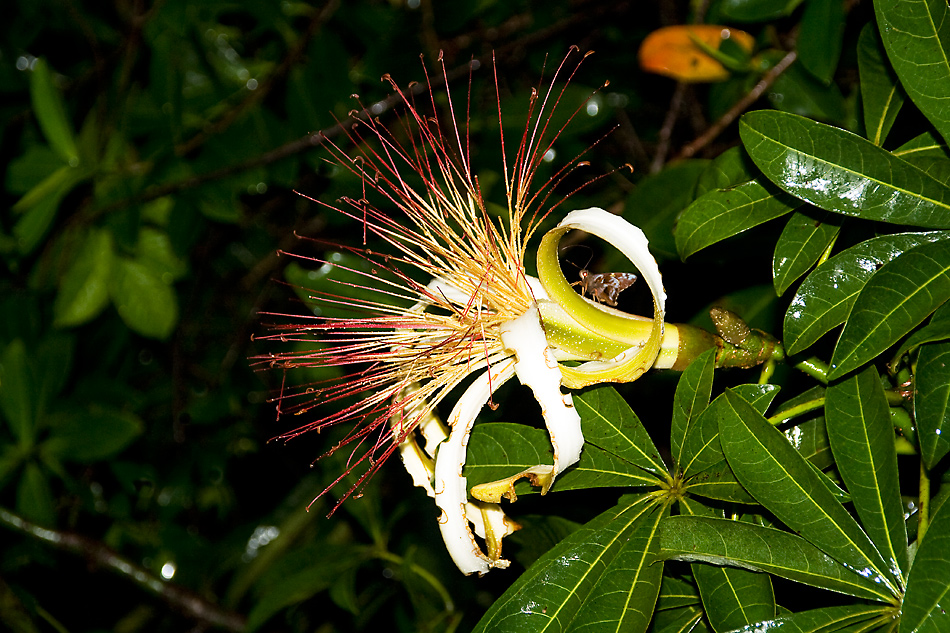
x=448 y=307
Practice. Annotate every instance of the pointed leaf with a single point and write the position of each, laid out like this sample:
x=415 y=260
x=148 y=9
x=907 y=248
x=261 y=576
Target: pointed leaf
x=548 y=595
x=50 y=113
x=725 y=542
x=147 y=304
x=733 y=598
x=676 y=593
x=732 y=167
x=881 y=92
x=825 y=298
x=838 y=171
x=84 y=290
x=624 y=596
x=862 y=440
x=682 y=620
x=928 y=585
x=610 y=424
x=692 y=396
x=723 y=213
x=928 y=153
x=932 y=402
x=772 y=470
x=916 y=34
x=18 y=393
x=820 y=37
x=806 y=236
x=938 y=329
x=34 y=497
x=896 y=299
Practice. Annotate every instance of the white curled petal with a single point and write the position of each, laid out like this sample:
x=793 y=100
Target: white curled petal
x=628 y=239
x=450 y=486
x=538 y=369
x=416 y=464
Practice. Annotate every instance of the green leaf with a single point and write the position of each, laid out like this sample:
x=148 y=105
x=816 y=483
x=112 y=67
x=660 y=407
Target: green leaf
x=928 y=586
x=502 y=449
x=155 y=248
x=610 y=424
x=84 y=290
x=18 y=393
x=610 y=560
x=862 y=440
x=50 y=113
x=838 y=171
x=781 y=480
x=53 y=361
x=820 y=37
x=34 y=497
x=723 y=213
x=825 y=298
x=758 y=10
x=93 y=435
x=844 y=619
x=881 y=92
x=733 y=598
x=932 y=402
x=683 y=620
x=692 y=396
x=722 y=541
x=146 y=304
x=916 y=34
x=927 y=153
x=895 y=300
x=731 y=168
x=675 y=593
x=797 y=91
x=938 y=329
x=804 y=239
x=39 y=207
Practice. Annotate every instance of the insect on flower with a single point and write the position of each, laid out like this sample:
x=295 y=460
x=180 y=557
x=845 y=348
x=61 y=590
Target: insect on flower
x=449 y=306
x=604 y=287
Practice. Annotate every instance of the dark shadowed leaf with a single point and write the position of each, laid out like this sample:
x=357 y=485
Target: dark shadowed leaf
x=881 y=92
x=932 y=402
x=806 y=236
x=928 y=585
x=819 y=41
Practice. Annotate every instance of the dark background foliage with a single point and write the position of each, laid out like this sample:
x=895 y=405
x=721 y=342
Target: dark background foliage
x=151 y=152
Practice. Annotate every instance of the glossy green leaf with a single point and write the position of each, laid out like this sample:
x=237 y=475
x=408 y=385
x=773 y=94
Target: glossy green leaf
x=733 y=598
x=675 y=593
x=610 y=424
x=862 y=440
x=881 y=92
x=937 y=329
x=722 y=541
x=842 y=619
x=18 y=393
x=692 y=395
x=731 y=168
x=825 y=298
x=928 y=586
x=903 y=293
x=932 y=402
x=84 y=290
x=916 y=35
x=682 y=620
x=820 y=37
x=722 y=213
x=147 y=304
x=838 y=171
x=50 y=113
x=614 y=551
x=802 y=242
x=502 y=449
x=93 y=435
x=781 y=480
x=927 y=153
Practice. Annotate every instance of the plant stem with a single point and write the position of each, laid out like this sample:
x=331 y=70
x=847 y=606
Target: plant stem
x=815 y=368
x=923 y=504
x=796 y=411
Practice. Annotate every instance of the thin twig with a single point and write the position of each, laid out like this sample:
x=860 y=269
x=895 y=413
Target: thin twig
x=186 y=601
x=741 y=106
x=666 y=132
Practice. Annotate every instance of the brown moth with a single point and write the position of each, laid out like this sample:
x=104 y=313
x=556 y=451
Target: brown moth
x=604 y=287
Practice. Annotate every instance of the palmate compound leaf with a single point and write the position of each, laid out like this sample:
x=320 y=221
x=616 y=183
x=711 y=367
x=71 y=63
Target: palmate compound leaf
x=691 y=398
x=916 y=35
x=862 y=440
x=618 y=451
x=825 y=298
x=722 y=213
x=722 y=541
x=928 y=585
x=603 y=577
x=787 y=485
x=841 y=172
x=903 y=293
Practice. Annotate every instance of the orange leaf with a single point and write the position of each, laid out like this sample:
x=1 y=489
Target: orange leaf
x=672 y=51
